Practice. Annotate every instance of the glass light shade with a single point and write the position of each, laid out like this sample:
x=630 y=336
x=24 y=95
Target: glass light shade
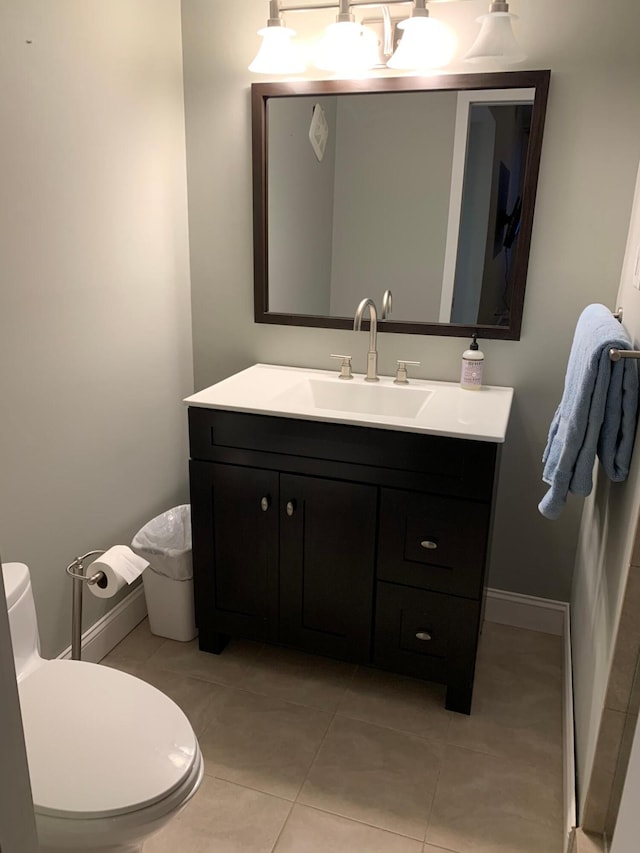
x=277 y=55
x=495 y=40
x=425 y=43
x=347 y=48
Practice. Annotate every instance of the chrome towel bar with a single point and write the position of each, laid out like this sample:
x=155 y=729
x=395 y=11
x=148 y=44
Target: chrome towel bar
x=617 y=354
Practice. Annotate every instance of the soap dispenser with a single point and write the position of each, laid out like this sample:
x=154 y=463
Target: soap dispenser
x=472 y=363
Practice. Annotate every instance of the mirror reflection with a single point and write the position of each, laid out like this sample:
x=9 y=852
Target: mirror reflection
x=418 y=192
x=425 y=188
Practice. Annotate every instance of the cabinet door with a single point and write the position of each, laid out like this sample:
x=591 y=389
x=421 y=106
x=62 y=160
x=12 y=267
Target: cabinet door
x=235 y=549
x=327 y=542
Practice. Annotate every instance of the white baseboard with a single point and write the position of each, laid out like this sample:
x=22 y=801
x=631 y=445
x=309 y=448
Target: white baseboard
x=526 y=611
x=106 y=633
x=549 y=617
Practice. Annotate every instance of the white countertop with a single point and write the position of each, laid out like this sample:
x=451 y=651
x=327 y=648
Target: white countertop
x=422 y=406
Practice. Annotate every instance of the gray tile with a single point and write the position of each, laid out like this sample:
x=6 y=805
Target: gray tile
x=261 y=742
x=585 y=842
x=405 y=704
x=527 y=651
x=373 y=779
x=627 y=647
x=516 y=713
x=298 y=677
x=223 y=818
x=634 y=698
x=601 y=782
x=484 y=803
x=191 y=694
x=375 y=775
x=138 y=646
x=620 y=773
x=488 y=833
x=310 y=831
x=229 y=667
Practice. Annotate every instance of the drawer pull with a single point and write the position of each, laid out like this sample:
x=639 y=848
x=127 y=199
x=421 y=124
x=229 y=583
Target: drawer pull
x=265 y=503
x=429 y=544
x=291 y=508
x=423 y=635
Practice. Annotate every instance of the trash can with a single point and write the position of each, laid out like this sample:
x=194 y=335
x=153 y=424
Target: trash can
x=165 y=542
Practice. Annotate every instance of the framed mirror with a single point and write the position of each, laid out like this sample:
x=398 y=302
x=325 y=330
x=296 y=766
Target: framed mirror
x=422 y=186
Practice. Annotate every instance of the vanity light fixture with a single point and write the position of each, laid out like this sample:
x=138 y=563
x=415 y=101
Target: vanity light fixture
x=425 y=43
x=496 y=39
x=277 y=55
x=346 y=46
x=350 y=48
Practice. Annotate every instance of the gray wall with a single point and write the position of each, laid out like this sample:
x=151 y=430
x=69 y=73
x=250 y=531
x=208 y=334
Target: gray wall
x=95 y=337
x=605 y=545
x=393 y=182
x=300 y=207
x=590 y=156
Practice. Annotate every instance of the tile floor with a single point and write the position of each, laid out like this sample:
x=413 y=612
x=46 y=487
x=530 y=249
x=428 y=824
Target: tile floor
x=309 y=755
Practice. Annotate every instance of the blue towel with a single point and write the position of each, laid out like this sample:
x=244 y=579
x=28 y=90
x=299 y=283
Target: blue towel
x=597 y=413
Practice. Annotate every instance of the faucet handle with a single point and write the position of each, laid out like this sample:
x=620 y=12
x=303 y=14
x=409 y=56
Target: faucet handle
x=345 y=367
x=401 y=372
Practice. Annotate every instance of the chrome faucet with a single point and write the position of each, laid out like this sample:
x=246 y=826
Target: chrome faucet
x=372 y=354
x=387 y=303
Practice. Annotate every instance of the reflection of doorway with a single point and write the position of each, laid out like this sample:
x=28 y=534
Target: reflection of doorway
x=491 y=127
x=474 y=216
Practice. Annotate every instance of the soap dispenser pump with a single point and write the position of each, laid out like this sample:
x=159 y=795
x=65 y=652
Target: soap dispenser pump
x=472 y=364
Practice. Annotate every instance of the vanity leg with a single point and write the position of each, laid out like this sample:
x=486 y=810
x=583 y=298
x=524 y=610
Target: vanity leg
x=212 y=641
x=459 y=698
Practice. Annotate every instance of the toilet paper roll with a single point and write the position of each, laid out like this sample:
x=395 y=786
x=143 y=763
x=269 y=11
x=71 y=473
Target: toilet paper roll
x=120 y=566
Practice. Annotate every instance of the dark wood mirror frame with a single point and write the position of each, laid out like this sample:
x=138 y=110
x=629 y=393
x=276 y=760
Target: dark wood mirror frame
x=262 y=92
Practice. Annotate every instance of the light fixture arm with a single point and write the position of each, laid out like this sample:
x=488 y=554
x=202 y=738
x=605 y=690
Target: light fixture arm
x=420 y=9
x=340 y=5
x=344 y=13
x=499 y=6
x=274 y=14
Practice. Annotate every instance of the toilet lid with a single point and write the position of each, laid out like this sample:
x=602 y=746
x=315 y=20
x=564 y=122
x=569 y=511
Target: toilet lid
x=101 y=742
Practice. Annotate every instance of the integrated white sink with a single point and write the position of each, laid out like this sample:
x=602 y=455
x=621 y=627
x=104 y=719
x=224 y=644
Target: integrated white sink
x=356 y=397
x=437 y=408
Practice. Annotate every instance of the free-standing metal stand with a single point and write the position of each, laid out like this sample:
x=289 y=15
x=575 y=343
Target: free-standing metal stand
x=75 y=570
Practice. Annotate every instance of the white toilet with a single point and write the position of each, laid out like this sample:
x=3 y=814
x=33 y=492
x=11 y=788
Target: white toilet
x=111 y=758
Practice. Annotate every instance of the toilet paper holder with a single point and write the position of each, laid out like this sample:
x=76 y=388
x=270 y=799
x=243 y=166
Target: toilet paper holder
x=75 y=570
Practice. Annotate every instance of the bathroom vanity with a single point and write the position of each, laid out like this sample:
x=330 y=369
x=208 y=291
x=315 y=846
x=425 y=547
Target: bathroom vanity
x=346 y=519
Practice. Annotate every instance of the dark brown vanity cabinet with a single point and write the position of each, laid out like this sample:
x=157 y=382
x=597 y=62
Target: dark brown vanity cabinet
x=363 y=544
x=286 y=558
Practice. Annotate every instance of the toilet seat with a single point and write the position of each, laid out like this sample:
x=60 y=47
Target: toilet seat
x=79 y=716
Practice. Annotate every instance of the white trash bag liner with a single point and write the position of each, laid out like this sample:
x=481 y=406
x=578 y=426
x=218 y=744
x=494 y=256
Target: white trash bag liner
x=165 y=542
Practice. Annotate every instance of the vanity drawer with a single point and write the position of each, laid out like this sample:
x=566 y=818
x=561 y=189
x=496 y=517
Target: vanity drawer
x=450 y=466
x=426 y=634
x=432 y=542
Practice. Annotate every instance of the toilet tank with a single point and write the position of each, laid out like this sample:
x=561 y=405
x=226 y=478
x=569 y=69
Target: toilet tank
x=23 y=623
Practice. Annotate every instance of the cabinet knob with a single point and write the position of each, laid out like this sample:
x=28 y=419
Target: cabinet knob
x=291 y=508
x=423 y=635
x=265 y=503
x=429 y=544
